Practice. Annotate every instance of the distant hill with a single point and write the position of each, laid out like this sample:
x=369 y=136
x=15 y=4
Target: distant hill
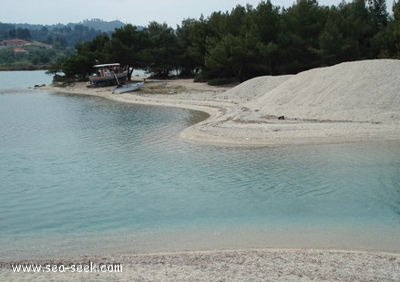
x=59 y=35
x=96 y=24
x=33 y=46
x=104 y=26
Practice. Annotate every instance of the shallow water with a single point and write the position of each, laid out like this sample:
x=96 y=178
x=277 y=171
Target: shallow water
x=85 y=175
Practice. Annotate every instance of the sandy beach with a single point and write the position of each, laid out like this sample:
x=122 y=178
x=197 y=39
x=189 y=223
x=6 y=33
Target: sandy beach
x=234 y=265
x=350 y=102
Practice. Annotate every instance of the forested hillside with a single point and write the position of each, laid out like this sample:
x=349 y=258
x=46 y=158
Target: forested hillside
x=250 y=41
x=26 y=46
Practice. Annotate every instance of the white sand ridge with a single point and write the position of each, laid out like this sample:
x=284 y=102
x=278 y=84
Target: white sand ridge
x=348 y=102
x=354 y=91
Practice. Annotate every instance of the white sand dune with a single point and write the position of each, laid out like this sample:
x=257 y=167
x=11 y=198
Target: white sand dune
x=354 y=91
x=348 y=102
x=254 y=88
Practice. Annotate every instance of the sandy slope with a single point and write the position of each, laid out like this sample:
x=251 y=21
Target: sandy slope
x=355 y=91
x=349 y=102
x=254 y=88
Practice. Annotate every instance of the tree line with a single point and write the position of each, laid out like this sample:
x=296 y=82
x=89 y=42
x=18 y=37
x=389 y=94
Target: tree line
x=249 y=41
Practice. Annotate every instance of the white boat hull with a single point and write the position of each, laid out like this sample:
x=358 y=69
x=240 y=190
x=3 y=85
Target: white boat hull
x=128 y=88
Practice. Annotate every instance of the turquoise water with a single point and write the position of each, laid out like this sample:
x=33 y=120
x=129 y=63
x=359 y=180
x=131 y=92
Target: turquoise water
x=83 y=174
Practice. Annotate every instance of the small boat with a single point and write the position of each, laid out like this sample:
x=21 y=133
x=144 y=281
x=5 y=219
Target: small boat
x=127 y=88
x=108 y=74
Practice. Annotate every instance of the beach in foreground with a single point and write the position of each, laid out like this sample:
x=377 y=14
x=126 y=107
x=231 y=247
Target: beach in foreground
x=236 y=265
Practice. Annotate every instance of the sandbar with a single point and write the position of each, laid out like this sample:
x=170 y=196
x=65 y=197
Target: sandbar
x=349 y=102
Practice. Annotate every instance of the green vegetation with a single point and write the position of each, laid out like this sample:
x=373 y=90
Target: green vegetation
x=236 y=45
x=34 y=57
x=248 y=41
x=45 y=46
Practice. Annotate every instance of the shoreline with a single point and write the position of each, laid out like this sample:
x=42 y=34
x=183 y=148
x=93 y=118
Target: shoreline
x=231 y=123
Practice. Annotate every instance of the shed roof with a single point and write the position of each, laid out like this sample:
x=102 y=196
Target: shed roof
x=107 y=65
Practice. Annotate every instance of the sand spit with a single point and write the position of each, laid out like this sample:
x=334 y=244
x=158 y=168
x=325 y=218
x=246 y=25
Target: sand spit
x=238 y=265
x=349 y=102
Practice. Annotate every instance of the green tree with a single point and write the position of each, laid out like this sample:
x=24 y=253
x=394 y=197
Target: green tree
x=263 y=25
x=77 y=65
x=191 y=44
x=302 y=25
x=348 y=34
x=392 y=33
x=6 y=56
x=334 y=46
x=23 y=33
x=5 y=30
x=231 y=58
x=126 y=46
x=55 y=66
x=161 y=54
x=396 y=27
x=379 y=14
x=87 y=54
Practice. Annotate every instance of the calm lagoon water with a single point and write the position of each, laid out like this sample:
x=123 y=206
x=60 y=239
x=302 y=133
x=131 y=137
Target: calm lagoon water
x=84 y=175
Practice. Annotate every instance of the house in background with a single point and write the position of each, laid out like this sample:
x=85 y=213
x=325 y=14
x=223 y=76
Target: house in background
x=20 y=51
x=14 y=43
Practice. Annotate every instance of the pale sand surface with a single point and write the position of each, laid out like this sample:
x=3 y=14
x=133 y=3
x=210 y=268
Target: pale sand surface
x=235 y=265
x=349 y=102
